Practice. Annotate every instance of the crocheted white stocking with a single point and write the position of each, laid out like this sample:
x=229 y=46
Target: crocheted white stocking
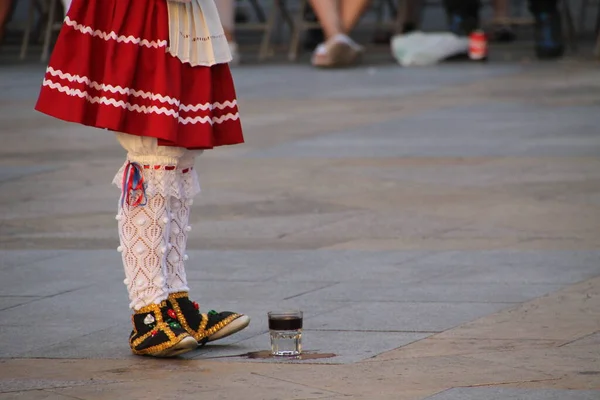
x=180 y=228
x=144 y=232
x=176 y=278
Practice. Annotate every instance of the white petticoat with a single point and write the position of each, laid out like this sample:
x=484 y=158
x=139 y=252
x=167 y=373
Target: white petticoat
x=159 y=178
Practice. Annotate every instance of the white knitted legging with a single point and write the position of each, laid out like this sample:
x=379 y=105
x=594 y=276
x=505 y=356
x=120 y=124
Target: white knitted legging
x=153 y=234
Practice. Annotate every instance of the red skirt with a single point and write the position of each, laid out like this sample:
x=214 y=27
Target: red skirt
x=110 y=69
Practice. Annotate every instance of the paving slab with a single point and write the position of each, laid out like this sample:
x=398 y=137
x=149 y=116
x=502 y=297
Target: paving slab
x=515 y=394
x=340 y=291
x=7 y=302
x=266 y=82
x=339 y=347
x=430 y=222
x=403 y=317
x=486 y=130
x=510 y=267
x=434 y=292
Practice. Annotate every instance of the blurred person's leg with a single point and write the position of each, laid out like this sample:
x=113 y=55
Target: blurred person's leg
x=502 y=31
x=328 y=14
x=501 y=8
x=413 y=15
x=339 y=50
x=549 y=41
x=66 y=5
x=351 y=11
x=5 y=10
x=226 y=9
x=339 y=17
x=463 y=15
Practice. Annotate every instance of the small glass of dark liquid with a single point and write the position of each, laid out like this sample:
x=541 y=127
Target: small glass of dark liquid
x=285 y=328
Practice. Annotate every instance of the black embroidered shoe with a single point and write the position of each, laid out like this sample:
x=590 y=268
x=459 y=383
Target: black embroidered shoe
x=206 y=327
x=158 y=333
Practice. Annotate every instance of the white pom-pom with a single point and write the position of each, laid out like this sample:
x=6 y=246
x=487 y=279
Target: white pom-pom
x=186 y=257
x=188 y=228
x=120 y=249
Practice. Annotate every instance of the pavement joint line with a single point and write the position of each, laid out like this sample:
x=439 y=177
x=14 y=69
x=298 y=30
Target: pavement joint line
x=50 y=257
x=78 y=337
x=46 y=297
x=422 y=256
x=342 y=218
x=508 y=303
x=297 y=383
x=90 y=383
x=476 y=385
x=61 y=394
x=368 y=331
x=578 y=339
x=312 y=291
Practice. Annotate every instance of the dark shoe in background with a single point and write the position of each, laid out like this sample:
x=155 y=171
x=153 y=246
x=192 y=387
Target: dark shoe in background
x=503 y=34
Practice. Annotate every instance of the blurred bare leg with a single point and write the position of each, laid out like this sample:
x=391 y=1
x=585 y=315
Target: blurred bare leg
x=5 y=6
x=501 y=9
x=503 y=31
x=328 y=13
x=351 y=11
x=226 y=10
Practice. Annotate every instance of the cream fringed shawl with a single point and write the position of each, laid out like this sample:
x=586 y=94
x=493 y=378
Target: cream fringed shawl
x=195 y=33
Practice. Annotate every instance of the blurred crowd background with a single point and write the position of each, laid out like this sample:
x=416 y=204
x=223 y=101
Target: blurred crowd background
x=336 y=33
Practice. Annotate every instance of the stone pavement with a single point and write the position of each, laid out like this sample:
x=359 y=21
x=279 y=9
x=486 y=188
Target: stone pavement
x=440 y=227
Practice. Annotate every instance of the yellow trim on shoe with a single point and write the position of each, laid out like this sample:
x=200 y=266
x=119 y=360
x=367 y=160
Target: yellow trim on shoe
x=203 y=334
x=177 y=344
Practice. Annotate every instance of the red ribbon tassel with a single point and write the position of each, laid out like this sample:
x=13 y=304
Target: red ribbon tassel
x=134 y=188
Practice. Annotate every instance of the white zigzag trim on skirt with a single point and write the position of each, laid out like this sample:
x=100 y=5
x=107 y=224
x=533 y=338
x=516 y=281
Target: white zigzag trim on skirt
x=140 y=93
x=113 y=35
x=135 y=107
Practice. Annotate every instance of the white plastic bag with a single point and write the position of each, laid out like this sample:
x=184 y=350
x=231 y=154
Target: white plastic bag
x=420 y=49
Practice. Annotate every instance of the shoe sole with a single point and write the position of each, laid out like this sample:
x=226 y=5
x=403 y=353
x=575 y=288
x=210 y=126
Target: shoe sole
x=235 y=326
x=340 y=55
x=186 y=344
